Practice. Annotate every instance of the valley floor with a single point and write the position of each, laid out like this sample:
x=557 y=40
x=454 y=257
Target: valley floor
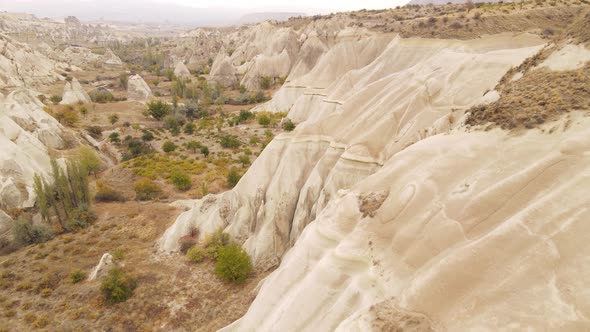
x=172 y=294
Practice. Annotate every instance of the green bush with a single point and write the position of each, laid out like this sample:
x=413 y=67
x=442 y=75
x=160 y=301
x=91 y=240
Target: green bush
x=233 y=177
x=189 y=128
x=205 y=151
x=264 y=120
x=245 y=116
x=80 y=218
x=196 y=254
x=147 y=136
x=233 y=264
x=214 y=242
x=25 y=232
x=94 y=131
x=114 y=137
x=105 y=193
x=181 y=181
x=113 y=118
x=244 y=160
x=117 y=286
x=77 y=276
x=169 y=147
x=193 y=145
x=172 y=123
x=101 y=95
x=254 y=140
x=136 y=148
x=289 y=126
x=55 y=99
x=146 y=189
x=158 y=109
x=229 y=142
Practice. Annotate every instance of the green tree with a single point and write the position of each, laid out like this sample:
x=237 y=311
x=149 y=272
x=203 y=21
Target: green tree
x=89 y=159
x=113 y=118
x=205 y=151
x=67 y=192
x=158 y=109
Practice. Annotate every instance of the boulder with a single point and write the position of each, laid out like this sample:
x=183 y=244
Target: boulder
x=111 y=58
x=104 y=266
x=74 y=93
x=137 y=89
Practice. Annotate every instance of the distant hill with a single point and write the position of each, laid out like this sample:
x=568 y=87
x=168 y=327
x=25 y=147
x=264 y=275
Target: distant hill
x=260 y=17
x=442 y=2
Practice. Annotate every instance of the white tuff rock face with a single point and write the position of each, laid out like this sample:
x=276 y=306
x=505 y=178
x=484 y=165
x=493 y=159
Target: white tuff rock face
x=70 y=30
x=20 y=65
x=74 y=93
x=137 y=89
x=180 y=70
x=111 y=58
x=5 y=225
x=26 y=132
x=382 y=210
x=223 y=71
x=78 y=56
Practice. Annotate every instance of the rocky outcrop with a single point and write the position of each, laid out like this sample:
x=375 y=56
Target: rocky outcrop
x=74 y=93
x=384 y=208
x=70 y=30
x=26 y=133
x=20 y=65
x=84 y=57
x=180 y=70
x=111 y=58
x=223 y=71
x=137 y=89
x=264 y=51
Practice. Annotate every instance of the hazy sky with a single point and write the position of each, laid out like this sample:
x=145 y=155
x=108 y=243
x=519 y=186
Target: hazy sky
x=193 y=12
